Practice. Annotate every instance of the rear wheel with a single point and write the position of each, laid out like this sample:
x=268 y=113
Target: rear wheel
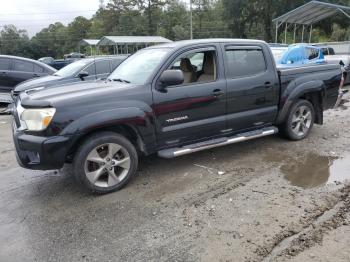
x=300 y=120
x=105 y=162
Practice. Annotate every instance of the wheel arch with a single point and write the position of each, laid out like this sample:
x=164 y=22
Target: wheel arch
x=313 y=91
x=133 y=123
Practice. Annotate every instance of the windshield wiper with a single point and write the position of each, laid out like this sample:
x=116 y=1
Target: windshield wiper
x=121 y=80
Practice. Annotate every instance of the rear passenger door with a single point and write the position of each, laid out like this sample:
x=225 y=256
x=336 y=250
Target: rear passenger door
x=5 y=81
x=252 y=87
x=21 y=71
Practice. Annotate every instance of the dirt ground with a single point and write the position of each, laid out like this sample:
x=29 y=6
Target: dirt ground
x=264 y=200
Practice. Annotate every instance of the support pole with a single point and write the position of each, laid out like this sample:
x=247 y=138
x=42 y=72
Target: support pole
x=276 y=37
x=295 y=31
x=285 y=34
x=117 y=47
x=310 y=34
x=191 y=23
x=302 y=34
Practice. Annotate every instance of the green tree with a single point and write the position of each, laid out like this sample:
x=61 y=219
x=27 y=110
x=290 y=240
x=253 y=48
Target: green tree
x=14 y=41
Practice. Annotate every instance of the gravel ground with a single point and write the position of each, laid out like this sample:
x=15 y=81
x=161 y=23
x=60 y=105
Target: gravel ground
x=262 y=200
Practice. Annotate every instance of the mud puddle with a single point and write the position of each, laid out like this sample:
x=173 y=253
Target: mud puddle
x=314 y=170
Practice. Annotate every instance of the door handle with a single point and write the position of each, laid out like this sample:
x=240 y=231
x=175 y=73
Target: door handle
x=267 y=84
x=35 y=75
x=218 y=92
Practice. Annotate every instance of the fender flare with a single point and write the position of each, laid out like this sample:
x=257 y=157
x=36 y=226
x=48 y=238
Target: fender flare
x=137 y=119
x=298 y=91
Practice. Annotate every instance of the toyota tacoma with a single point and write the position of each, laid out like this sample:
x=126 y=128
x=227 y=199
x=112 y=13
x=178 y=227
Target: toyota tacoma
x=171 y=99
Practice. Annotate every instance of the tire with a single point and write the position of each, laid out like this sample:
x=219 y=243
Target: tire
x=302 y=115
x=105 y=162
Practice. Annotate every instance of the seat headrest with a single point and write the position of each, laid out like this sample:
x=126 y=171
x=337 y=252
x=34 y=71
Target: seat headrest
x=209 y=64
x=185 y=65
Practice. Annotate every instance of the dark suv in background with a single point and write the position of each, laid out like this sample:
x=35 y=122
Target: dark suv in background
x=14 y=70
x=81 y=70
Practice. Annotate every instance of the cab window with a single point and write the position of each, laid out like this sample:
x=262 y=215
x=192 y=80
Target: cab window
x=197 y=67
x=244 y=62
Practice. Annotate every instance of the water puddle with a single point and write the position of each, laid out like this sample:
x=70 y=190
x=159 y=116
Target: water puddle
x=314 y=170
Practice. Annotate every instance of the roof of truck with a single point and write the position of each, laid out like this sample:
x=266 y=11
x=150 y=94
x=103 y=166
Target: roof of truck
x=183 y=43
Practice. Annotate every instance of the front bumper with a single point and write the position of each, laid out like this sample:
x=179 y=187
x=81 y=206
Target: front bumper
x=40 y=153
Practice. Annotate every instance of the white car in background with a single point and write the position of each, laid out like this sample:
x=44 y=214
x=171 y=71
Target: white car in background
x=278 y=50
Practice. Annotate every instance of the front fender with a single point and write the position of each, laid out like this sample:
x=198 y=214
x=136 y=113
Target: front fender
x=292 y=94
x=134 y=117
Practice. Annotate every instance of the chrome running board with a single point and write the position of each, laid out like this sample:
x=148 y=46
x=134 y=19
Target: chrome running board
x=179 y=151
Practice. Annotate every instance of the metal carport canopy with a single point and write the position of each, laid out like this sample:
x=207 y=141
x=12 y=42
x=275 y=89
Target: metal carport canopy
x=89 y=42
x=310 y=13
x=115 y=40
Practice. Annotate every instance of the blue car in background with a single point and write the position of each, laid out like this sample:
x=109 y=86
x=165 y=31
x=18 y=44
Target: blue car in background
x=302 y=54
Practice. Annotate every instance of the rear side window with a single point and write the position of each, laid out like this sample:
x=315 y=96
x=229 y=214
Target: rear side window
x=23 y=66
x=102 y=67
x=312 y=53
x=331 y=51
x=5 y=63
x=38 y=69
x=244 y=62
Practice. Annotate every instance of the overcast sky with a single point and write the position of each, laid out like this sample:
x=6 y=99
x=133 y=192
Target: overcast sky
x=33 y=15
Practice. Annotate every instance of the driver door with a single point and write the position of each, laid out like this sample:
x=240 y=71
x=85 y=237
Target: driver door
x=194 y=110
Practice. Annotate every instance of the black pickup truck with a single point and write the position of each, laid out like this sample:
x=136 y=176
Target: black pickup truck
x=173 y=99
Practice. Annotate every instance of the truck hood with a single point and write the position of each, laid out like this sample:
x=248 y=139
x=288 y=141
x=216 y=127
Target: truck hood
x=77 y=92
x=37 y=82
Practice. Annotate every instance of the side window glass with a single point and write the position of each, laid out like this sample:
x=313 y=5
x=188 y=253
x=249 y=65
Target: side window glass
x=90 y=69
x=197 y=67
x=5 y=63
x=312 y=53
x=23 y=66
x=38 y=69
x=115 y=63
x=102 y=67
x=331 y=51
x=244 y=62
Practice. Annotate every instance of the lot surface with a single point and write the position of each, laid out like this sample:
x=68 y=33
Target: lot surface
x=263 y=200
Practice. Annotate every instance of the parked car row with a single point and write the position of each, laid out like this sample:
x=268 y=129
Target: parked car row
x=14 y=70
x=82 y=70
x=60 y=63
x=57 y=64
x=19 y=74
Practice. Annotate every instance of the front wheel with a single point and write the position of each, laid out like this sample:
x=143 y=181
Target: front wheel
x=105 y=162
x=300 y=120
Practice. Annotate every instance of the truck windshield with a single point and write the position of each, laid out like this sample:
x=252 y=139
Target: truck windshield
x=138 y=67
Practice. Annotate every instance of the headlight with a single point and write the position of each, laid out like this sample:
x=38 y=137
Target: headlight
x=37 y=119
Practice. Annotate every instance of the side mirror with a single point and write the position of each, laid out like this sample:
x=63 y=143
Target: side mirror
x=171 y=78
x=83 y=74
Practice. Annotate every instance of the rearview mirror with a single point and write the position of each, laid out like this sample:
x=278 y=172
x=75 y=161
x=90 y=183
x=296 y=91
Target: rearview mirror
x=171 y=78
x=83 y=74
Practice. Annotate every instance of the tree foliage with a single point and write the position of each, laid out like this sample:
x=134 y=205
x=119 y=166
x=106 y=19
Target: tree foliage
x=168 y=18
